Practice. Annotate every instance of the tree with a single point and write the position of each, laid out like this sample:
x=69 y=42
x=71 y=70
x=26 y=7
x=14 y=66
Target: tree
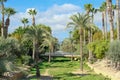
x=24 y=21
x=9 y=12
x=2 y=7
x=118 y=18
x=33 y=12
x=103 y=10
x=79 y=21
x=50 y=42
x=35 y=34
x=114 y=53
x=18 y=33
x=93 y=11
x=110 y=14
x=8 y=52
x=88 y=8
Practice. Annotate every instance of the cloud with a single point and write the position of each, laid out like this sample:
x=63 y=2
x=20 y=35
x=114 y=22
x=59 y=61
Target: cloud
x=65 y=8
x=56 y=17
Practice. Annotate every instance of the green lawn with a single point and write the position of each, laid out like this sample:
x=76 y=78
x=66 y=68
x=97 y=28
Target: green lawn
x=62 y=68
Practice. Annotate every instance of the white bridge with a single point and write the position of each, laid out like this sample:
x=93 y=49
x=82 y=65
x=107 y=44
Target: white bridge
x=60 y=54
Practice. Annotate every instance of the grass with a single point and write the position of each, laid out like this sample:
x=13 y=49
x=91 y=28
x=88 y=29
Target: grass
x=62 y=68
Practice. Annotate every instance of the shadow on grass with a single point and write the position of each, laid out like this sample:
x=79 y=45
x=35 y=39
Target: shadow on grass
x=71 y=74
x=38 y=78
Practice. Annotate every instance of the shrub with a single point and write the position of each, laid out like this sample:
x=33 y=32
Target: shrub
x=8 y=48
x=114 y=51
x=99 y=48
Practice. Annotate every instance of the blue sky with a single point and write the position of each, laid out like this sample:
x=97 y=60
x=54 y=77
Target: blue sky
x=54 y=13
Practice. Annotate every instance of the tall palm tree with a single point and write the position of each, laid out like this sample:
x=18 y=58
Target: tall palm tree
x=103 y=9
x=88 y=8
x=24 y=21
x=2 y=11
x=104 y=5
x=93 y=12
x=110 y=14
x=79 y=21
x=35 y=34
x=9 y=12
x=33 y=12
x=118 y=18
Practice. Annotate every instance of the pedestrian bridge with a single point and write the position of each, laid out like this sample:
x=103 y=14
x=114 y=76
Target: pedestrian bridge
x=60 y=54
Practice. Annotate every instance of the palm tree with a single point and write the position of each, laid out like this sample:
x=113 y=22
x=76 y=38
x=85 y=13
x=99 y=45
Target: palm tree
x=71 y=44
x=93 y=11
x=33 y=12
x=88 y=8
x=2 y=7
x=110 y=14
x=118 y=18
x=9 y=12
x=103 y=10
x=35 y=34
x=104 y=5
x=18 y=34
x=24 y=21
x=50 y=42
x=79 y=21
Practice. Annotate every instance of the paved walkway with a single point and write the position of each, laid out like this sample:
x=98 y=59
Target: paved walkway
x=100 y=67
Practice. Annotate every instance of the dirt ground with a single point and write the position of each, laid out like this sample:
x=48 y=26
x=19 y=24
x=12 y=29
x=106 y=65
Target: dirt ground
x=101 y=68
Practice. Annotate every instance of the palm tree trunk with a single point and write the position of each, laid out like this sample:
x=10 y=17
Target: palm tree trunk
x=49 y=60
x=71 y=51
x=84 y=37
x=5 y=31
x=90 y=52
x=33 y=21
x=33 y=55
x=103 y=25
x=24 y=25
x=37 y=71
x=91 y=39
x=110 y=14
x=118 y=18
x=2 y=27
x=37 y=59
x=81 y=50
x=106 y=24
x=7 y=23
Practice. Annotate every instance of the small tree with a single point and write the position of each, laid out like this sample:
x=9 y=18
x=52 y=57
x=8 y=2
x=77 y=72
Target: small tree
x=24 y=21
x=114 y=53
x=8 y=51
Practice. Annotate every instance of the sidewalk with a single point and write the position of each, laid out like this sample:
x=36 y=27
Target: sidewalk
x=100 y=68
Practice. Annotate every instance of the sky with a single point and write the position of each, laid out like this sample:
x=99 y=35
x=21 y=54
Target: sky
x=53 y=13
